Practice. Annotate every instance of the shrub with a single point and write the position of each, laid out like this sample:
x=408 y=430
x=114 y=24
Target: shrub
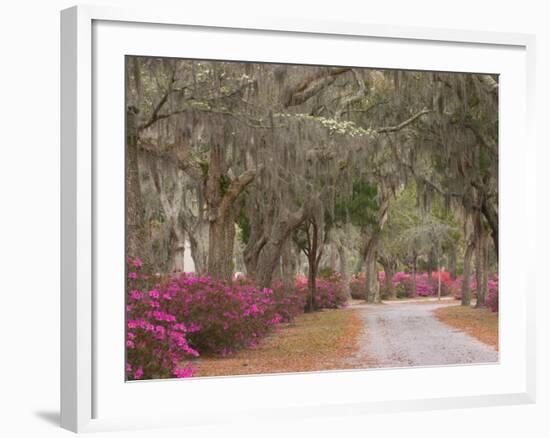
x=228 y=316
x=329 y=293
x=492 y=294
x=423 y=288
x=357 y=286
x=384 y=292
x=405 y=287
x=288 y=303
x=446 y=284
x=156 y=341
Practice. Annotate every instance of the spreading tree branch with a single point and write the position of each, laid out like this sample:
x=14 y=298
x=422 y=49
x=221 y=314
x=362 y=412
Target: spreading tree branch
x=404 y=124
x=236 y=188
x=360 y=94
x=312 y=85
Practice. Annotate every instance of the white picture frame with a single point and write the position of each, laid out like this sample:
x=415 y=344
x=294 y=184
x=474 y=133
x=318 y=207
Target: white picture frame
x=83 y=370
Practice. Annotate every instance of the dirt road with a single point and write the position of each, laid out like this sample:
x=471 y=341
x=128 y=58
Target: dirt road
x=403 y=334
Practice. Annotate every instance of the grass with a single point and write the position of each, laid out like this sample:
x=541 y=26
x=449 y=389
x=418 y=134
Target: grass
x=481 y=323
x=312 y=342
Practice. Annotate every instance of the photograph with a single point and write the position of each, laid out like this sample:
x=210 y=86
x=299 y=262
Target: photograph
x=300 y=219
x=286 y=218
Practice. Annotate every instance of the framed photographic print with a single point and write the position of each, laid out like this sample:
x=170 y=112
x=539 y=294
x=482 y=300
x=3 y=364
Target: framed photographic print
x=288 y=218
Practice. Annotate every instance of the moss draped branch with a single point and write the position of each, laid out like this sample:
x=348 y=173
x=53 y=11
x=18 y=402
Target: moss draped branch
x=235 y=188
x=311 y=86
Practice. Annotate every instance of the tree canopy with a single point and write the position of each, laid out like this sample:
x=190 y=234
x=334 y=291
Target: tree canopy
x=274 y=169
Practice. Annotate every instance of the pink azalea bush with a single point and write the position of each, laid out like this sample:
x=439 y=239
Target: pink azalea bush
x=492 y=294
x=227 y=316
x=404 y=282
x=329 y=293
x=404 y=285
x=156 y=340
x=288 y=303
x=357 y=286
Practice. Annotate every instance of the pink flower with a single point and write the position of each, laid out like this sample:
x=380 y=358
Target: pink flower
x=138 y=373
x=160 y=332
x=136 y=295
x=183 y=372
x=190 y=350
x=132 y=275
x=194 y=327
x=276 y=319
x=154 y=293
x=137 y=263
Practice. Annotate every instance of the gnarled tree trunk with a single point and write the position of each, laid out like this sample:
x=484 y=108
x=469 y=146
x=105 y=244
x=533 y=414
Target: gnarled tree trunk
x=251 y=255
x=430 y=269
x=481 y=268
x=260 y=229
x=372 y=289
x=270 y=252
x=452 y=262
x=311 y=282
x=414 y=269
x=178 y=255
x=388 y=266
x=438 y=276
x=168 y=183
x=466 y=296
x=313 y=254
x=220 y=197
x=344 y=270
x=333 y=260
x=135 y=227
x=198 y=241
x=289 y=265
x=491 y=214
x=221 y=238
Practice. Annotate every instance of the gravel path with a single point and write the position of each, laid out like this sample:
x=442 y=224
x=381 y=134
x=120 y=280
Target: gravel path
x=409 y=334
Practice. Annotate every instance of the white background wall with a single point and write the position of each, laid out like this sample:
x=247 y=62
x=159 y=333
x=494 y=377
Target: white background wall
x=29 y=216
